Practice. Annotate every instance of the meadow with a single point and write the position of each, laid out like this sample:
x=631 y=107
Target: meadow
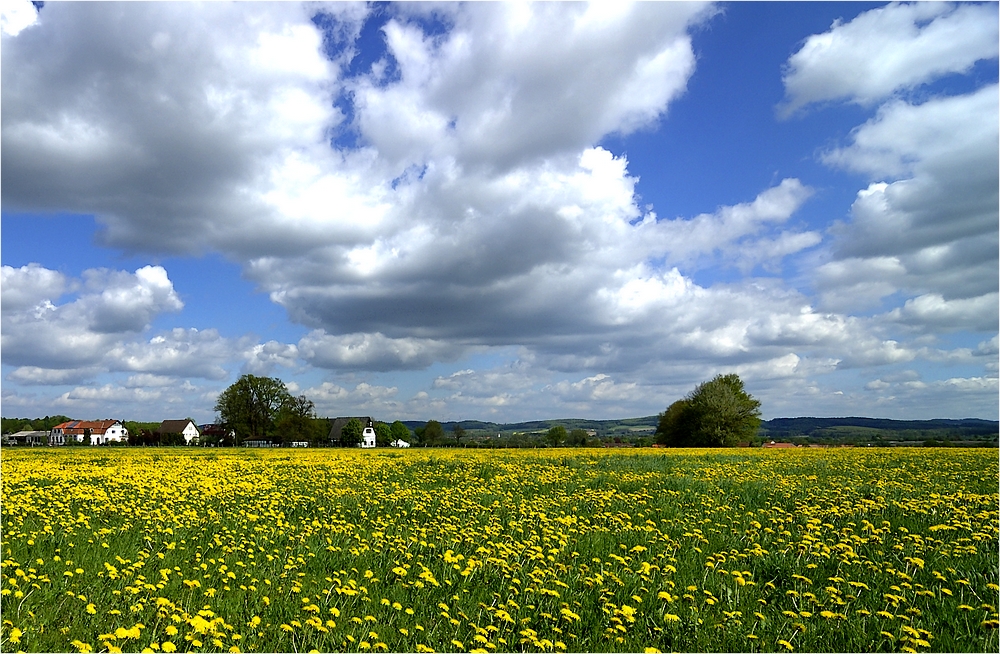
x=172 y=549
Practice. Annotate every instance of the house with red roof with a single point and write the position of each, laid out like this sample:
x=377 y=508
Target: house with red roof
x=100 y=432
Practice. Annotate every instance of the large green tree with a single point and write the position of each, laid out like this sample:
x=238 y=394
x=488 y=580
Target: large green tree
x=400 y=432
x=431 y=433
x=718 y=413
x=352 y=433
x=252 y=405
x=577 y=437
x=296 y=420
x=383 y=434
x=556 y=436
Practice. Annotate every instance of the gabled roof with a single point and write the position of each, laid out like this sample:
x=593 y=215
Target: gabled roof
x=337 y=425
x=78 y=426
x=175 y=426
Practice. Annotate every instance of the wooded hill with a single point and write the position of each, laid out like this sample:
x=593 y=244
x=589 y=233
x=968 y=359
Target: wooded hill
x=850 y=430
x=878 y=430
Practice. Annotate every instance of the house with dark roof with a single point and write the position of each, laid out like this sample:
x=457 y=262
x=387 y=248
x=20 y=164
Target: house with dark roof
x=186 y=428
x=367 y=434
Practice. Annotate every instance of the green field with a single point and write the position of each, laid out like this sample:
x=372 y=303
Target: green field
x=544 y=550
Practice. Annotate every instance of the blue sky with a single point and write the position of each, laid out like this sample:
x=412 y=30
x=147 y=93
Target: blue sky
x=500 y=212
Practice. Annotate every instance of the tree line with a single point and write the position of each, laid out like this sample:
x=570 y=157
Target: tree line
x=717 y=413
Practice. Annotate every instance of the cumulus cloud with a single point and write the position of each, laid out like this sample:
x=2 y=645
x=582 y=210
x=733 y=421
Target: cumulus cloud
x=111 y=305
x=974 y=393
x=179 y=352
x=140 y=100
x=16 y=16
x=932 y=229
x=375 y=351
x=28 y=286
x=476 y=212
x=600 y=388
x=334 y=400
x=263 y=358
x=923 y=233
x=483 y=92
x=35 y=376
x=885 y=50
x=978 y=314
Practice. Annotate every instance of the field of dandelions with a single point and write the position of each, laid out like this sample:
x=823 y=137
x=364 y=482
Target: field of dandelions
x=833 y=550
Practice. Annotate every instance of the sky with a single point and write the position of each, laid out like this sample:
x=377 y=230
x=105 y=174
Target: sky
x=499 y=211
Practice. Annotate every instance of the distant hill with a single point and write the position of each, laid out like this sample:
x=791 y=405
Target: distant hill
x=811 y=426
x=968 y=431
x=626 y=426
x=830 y=430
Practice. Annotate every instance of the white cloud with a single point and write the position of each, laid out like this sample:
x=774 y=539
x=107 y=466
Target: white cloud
x=148 y=380
x=35 y=376
x=16 y=16
x=373 y=351
x=483 y=93
x=112 y=305
x=196 y=98
x=885 y=50
x=333 y=400
x=179 y=352
x=935 y=398
x=924 y=231
x=937 y=136
x=599 y=388
x=685 y=240
x=28 y=286
x=859 y=283
x=978 y=314
x=124 y=302
x=933 y=231
x=262 y=358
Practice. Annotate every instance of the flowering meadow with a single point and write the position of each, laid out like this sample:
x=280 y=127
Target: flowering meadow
x=832 y=550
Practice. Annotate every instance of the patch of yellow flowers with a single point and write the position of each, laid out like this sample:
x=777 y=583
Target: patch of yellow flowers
x=165 y=550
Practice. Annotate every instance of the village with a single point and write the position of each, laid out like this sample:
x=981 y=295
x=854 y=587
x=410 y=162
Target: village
x=179 y=432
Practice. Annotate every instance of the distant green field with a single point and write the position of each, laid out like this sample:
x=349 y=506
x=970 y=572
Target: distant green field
x=839 y=550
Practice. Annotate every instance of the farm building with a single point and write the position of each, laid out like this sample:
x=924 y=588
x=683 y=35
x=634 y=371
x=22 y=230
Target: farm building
x=186 y=428
x=367 y=436
x=100 y=432
x=26 y=438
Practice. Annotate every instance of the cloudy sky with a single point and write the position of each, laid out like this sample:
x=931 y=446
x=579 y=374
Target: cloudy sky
x=500 y=211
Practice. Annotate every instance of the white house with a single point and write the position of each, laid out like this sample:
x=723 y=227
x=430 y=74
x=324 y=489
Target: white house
x=367 y=435
x=399 y=442
x=184 y=427
x=101 y=432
